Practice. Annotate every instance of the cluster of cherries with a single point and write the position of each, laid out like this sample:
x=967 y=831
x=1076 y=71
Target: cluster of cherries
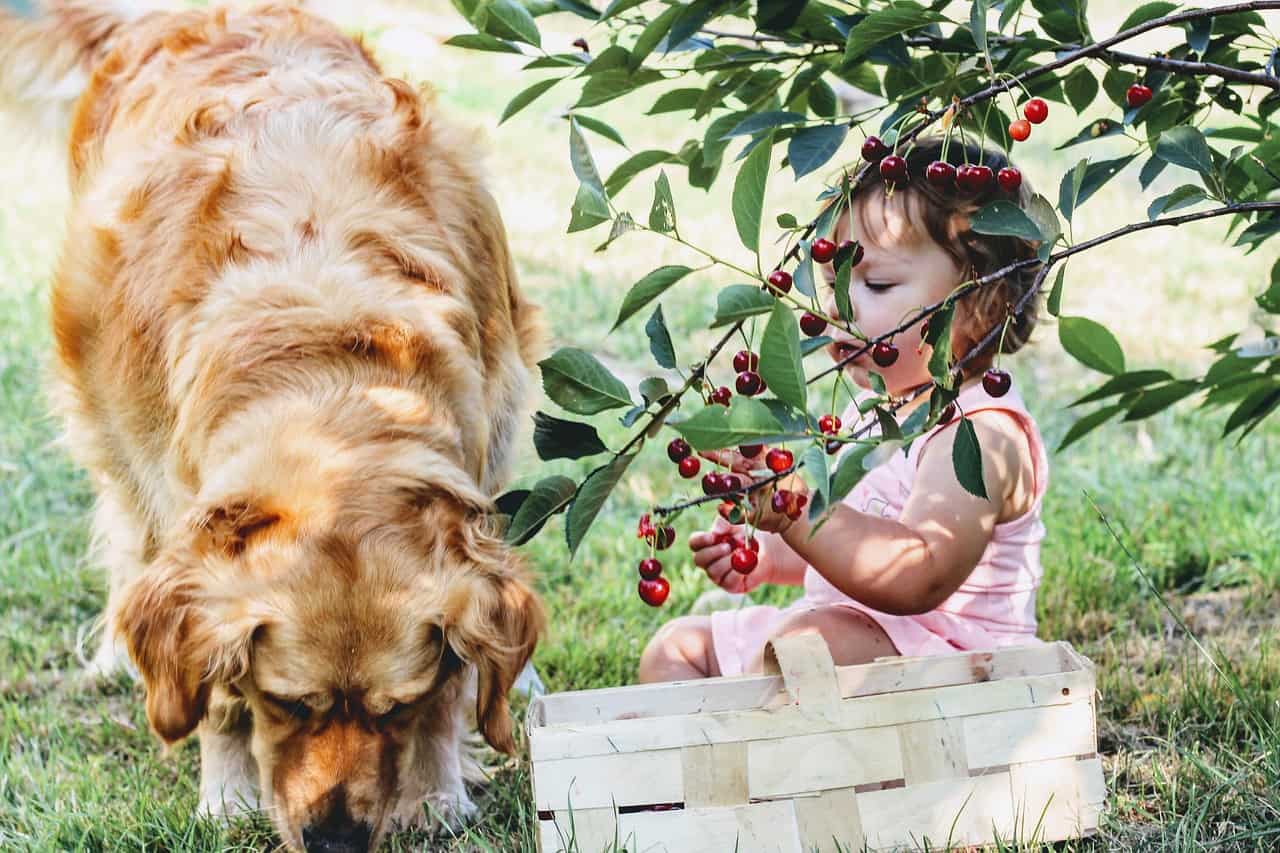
x=967 y=177
x=654 y=588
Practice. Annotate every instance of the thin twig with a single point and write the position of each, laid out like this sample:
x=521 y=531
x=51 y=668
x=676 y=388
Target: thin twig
x=1183 y=66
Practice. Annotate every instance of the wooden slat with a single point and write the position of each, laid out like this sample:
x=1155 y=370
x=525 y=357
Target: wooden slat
x=804 y=662
x=579 y=831
x=933 y=750
x=1032 y=734
x=780 y=767
x=713 y=695
x=654 y=776
x=715 y=775
x=1059 y=798
x=755 y=828
x=908 y=816
x=829 y=823
x=623 y=736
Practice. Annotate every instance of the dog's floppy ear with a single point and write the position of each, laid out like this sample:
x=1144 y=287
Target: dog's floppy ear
x=179 y=647
x=493 y=618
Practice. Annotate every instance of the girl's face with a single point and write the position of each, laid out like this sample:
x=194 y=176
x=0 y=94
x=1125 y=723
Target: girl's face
x=902 y=271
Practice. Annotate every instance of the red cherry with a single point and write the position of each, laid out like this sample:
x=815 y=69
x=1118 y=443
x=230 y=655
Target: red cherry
x=751 y=451
x=822 y=250
x=973 y=179
x=711 y=483
x=856 y=248
x=581 y=44
x=749 y=383
x=666 y=536
x=940 y=174
x=1020 y=130
x=893 y=168
x=884 y=353
x=997 y=382
x=1010 y=179
x=678 y=449
x=1036 y=110
x=743 y=560
x=829 y=424
x=730 y=482
x=689 y=467
x=781 y=280
x=751 y=544
x=654 y=591
x=812 y=325
x=873 y=149
x=833 y=446
x=645 y=529
x=721 y=395
x=650 y=568
x=745 y=360
x=1137 y=95
x=781 y=501
x=778 y=460
x=947 y=414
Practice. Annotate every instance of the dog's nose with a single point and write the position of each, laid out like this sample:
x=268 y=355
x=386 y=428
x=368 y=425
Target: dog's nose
x=348 y=839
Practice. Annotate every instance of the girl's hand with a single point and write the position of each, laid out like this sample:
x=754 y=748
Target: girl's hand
x=760 y=512
x=711 y=550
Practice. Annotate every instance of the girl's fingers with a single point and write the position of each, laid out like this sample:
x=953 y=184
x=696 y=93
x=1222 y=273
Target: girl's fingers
x=731 y=459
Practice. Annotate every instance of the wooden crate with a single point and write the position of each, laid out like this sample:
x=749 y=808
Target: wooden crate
x=963 y=749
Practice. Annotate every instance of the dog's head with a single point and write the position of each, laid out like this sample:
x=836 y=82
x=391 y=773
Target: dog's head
x=346 y=647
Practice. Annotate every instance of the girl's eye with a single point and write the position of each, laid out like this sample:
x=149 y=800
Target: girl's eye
x=879 y=286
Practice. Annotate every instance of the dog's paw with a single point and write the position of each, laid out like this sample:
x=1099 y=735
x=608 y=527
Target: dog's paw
x=452 y=811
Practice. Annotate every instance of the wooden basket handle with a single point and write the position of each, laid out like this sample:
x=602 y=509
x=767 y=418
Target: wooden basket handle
x=804 y=662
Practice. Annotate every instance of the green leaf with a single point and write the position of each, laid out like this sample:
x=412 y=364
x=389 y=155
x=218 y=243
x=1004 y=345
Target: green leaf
x=849 y=471
x=1269 y=301
x=884 y=23
x=548 y=497
x=1088 y=423
x=777 y=15
x=557 y=438
x=844 y=271
x=527 y=97
x=652 y=34
x=746 y=420
x=675 y=100
x=575 y=380
x=780 y=357
x=617 y=7
x=579 y=8
x=748 y=194
x=978 y=23
x=633 y=166
x=654 y=388
x=482 y=41
x=1256 y=406
x=648 y=289
x=662 y=215
x=812 y=147
x=1009 y=12
x=509 y=19
x=1097 y=129
x=1185 y=146
x=589 y=209
x=966 y=458
x=1147 y=12
x=1091 y=344
x=1054 y=305
x=664 y=352
x=1124 y=382
x=1090 y=180
x=1157 y=399
x=939 y=337
x=614 y=83
x=1080 y=87
x=814 y=472
x=1005 y=218
x=622 y=224
x=590 y=497
x=751 y=125
x=596 y=125
x=584 y=165
x=1184 y=196
x=739 y=301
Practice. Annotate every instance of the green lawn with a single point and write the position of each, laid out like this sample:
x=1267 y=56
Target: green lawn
x=1190 y=762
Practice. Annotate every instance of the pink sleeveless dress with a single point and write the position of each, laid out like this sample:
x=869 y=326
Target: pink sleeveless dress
x=995 y=606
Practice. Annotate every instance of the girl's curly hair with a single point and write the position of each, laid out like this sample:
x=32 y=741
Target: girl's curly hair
x=945 y=213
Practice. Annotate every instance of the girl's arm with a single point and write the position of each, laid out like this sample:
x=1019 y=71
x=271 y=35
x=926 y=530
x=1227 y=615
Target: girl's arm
x=913 y=563
x=788 y=567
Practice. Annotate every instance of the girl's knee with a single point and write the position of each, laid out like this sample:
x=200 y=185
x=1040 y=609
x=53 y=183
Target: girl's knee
x=853 y=636
x=682 y=645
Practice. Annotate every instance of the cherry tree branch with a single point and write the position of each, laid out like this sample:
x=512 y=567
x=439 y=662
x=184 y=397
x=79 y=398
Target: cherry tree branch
x=1182 y=66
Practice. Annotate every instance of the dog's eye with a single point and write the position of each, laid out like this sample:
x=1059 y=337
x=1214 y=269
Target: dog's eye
x=295 y=708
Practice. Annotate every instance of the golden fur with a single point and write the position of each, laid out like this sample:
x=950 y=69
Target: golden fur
x=293 y=356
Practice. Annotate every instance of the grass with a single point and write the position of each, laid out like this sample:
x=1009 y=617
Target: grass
x=1191 y=761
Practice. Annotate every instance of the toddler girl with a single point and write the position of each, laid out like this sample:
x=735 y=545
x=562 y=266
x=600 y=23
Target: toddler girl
x=909 y=563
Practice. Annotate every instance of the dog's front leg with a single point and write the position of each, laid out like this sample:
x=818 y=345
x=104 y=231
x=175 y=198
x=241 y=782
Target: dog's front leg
x=228 y=772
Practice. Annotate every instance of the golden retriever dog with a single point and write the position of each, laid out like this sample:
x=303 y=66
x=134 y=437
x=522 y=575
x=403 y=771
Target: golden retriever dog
x=292 y=354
